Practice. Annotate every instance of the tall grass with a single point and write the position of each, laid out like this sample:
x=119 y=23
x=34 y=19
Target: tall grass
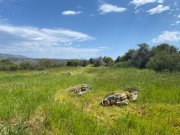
x=23 y=93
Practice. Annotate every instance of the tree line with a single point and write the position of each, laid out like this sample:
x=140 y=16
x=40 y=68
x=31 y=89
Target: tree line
x=163 y=57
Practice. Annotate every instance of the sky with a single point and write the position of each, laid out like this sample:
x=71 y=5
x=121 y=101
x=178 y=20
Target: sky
x=86 y=28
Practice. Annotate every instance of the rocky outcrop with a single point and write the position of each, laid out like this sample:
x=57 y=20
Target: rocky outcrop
x=120 y=99
x=79 y=89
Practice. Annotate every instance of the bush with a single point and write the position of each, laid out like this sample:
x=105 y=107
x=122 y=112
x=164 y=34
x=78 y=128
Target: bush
x=124 y=64
x=84 y=63
x=13 y=67
x=99 y=62
x=25 y=65
x=45 y=63
x=165 y=62
x=10 y=67
x=73 y=63
x=128 y=56
x=164 y=48
x=91 y=60
x=108 y=61
x=7 y=65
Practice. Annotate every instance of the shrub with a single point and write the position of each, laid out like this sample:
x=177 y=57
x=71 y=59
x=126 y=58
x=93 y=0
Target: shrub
x=7 y=65
x=73 y=63
x=108 y=61
x=164 y=48
x=99 y=62
x=127 y=56
x=84 y=63
x=10 y=67
x=91 y=60
x=45 y=63
x=124 y=64
x=165 y=62
x=25 y=65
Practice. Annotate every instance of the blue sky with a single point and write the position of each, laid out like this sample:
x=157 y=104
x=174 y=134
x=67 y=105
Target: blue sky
x=86 y=28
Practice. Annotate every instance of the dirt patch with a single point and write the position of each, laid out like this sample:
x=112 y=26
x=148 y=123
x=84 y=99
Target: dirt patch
x=37 y=121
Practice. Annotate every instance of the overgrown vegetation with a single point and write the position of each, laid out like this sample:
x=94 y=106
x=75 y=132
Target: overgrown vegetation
x=163 y=57
x=35 y=102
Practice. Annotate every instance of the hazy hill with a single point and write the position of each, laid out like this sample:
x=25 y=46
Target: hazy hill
x=9 y=56
x=20 y=58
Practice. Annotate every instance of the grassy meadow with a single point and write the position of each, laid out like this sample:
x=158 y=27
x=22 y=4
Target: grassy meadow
x=38 y=103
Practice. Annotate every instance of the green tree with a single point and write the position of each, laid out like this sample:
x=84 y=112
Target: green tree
x=118 y=59
x=164 y=48
x=91 y=60
x=25 y=65
x=5 y=62
x=73 y=63
x=141 y=56
x=108 y=61
x=99 y=62
x=128 y=55
x=165 y=62
x=84 y=63
x=7 y=65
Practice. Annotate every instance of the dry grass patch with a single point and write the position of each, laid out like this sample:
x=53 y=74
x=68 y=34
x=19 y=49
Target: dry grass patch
x=90 y=105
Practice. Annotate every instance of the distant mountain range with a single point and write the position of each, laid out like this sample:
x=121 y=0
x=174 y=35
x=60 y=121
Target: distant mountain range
x=10 y=56
x=20 y=58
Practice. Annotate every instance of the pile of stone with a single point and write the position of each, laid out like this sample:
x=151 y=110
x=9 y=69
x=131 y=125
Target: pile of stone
x=120 y=99
x=79 y=89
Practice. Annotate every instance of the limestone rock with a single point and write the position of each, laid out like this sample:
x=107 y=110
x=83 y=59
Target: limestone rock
x=79 y=89
x=134 y=95
x=121 y=99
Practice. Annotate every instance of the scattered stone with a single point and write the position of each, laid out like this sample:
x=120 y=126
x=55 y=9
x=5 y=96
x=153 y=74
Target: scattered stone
x=43 y=72
x=79 y=89
x=134 y=95
x=120 y=99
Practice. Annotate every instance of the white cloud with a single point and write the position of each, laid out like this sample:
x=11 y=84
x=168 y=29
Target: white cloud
x=177 y=22
x=43 y=36
x=178 y=16
x=71 y=12
x=158 y=9
x=144 y=2
x=44 y=42
x=167 y=36
x=108 y=8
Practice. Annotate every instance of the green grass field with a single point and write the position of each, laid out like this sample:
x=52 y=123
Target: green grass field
x=34 y=102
